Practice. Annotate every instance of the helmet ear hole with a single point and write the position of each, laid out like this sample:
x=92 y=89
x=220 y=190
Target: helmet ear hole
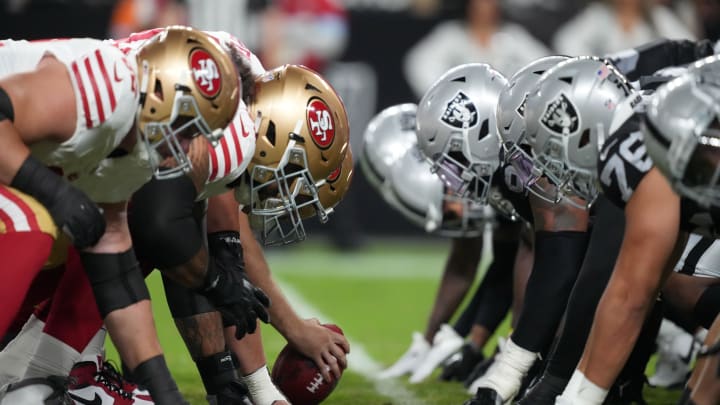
x=584 y=138
x=484 y=130
x=270 y=133
x=158 y=91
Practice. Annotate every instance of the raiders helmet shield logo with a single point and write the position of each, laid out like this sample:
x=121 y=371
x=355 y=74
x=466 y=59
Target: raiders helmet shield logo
x=205 y=72
x=460 y=112
x=561 y=116
x=521 y=108
x=321 y=123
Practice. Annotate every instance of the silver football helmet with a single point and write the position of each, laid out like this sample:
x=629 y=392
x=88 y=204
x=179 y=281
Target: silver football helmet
x=397 y=169
x=456 y=128
x=420 y=196
x=387 y=137
x=568 y=116
x=682 y=132
x=510 y=115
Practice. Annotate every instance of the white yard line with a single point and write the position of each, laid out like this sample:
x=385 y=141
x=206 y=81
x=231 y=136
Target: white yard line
x=359 y=360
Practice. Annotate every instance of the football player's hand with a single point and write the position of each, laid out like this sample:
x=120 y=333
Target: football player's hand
x=227 y=287
x=78 y=217
x=325 y=347
x=72 y=210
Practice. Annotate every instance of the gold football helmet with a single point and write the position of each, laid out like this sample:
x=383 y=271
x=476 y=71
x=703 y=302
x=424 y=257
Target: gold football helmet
x=302 y=135
x=188 y=86
x=332 y=191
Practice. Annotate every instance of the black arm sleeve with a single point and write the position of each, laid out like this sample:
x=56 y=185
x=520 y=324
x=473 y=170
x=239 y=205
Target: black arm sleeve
x=649 y=58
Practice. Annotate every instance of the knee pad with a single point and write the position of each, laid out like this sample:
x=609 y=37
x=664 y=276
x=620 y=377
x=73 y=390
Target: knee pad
x=165 y=222
x=183 y=302
x=116 y=280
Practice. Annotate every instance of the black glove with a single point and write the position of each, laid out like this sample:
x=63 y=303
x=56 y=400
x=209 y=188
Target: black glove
x=71 y=210
x=227 y=287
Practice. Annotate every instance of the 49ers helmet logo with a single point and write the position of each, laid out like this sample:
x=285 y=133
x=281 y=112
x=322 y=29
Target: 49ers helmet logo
x=321 y=123
x=334 y=175
x=205 y=72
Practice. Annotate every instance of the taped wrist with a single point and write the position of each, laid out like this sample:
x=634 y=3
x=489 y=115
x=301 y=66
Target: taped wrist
x=217 y=370
x=183 y=302
x=262 y=390
x=116 y=280
x=37 y=180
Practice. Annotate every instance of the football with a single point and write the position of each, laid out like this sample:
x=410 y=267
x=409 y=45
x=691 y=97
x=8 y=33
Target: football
x=299 y=378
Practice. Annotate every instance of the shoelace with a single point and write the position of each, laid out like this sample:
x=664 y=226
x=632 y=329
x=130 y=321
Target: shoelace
x=111 y=378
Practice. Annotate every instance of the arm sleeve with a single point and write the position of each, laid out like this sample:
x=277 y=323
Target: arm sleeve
x=651 y=57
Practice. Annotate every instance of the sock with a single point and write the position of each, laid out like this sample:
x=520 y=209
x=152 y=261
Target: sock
x=15 y=357
x=216 y=371
x=261 y=388
x=52 y=357
x=581 y=391
x=24 y=254
x=153 y=374
x=506 y=373
x=548 y=289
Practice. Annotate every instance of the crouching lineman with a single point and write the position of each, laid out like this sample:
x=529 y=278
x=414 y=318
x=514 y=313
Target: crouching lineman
x=164 y=209
x=401 y=174
x=683 y=155
x=148 y=106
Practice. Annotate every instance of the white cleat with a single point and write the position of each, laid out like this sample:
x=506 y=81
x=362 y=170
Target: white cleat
x=445 y=343
x=676 y=350
x=410 y=360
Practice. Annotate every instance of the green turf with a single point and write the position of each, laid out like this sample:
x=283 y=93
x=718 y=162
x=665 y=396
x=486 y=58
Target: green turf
x=378 y=296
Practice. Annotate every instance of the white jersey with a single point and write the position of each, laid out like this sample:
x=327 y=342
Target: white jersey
x=700 y=258
x=104 y=81
x=230 y=157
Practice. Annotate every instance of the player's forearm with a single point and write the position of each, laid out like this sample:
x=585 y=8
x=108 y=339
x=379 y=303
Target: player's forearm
x=282 y=316
x=617 y=324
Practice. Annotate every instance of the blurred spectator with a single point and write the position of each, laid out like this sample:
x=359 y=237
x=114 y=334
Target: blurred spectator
x=306 y=32
x=138 y=15
x=612 y=25
x=706 y=14
x=238 y=17
x=482 y=37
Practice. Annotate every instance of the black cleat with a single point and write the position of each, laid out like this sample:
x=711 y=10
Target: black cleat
x=544 y=391
x=234 y=393
x=461 y=364
x=485 y=396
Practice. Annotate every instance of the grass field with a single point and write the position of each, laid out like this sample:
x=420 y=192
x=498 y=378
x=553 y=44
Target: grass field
x=378 y=295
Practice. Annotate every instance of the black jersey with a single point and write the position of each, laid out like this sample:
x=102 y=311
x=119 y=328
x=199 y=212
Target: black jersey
x=623 y=163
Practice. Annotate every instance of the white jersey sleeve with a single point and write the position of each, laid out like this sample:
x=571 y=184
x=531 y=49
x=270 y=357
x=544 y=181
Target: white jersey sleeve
x=104 y=82
x=232 y=154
